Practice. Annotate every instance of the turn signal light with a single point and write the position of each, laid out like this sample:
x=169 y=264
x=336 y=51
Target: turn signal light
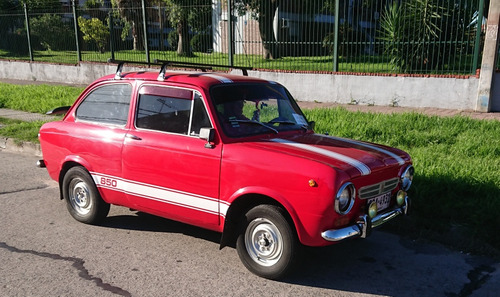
x=372 y=209
x=400 y=197
x=312 y=183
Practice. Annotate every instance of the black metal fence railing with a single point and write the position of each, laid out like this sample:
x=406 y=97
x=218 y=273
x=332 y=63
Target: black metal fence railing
x=383 y=36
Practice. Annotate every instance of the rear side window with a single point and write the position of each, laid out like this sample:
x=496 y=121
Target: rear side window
x=172 y=110
x=108 y=104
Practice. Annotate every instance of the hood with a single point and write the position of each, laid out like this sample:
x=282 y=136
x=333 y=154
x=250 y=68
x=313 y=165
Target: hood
x=354 y=157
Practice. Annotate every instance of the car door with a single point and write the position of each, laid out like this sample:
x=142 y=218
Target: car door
x=95 y=137
x=169 y=170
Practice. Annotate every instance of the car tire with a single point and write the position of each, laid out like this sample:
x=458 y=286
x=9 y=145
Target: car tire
x=267 y=244
x=83 y=200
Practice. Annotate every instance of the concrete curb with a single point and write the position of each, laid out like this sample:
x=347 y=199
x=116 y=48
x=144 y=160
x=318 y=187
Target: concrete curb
x=10 y=145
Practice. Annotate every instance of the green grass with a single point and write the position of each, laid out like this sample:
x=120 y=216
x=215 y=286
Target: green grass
x=457 y=181
x=359 y=63
x=20 y=131
x=456 y=190
x=315 y=63
x=37 y=98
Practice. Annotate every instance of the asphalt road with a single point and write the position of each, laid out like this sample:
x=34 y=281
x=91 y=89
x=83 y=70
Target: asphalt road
x=44 y=252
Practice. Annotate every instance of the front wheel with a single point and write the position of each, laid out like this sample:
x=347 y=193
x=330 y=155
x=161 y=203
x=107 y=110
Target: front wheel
x=267 y=244
x=82 y=197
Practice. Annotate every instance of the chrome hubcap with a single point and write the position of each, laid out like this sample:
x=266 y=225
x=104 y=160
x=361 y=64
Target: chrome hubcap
x=79 y=196
x=263 y=242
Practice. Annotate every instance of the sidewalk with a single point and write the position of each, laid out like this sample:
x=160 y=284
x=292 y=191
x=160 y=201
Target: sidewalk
x=10 y=144
x=391 y=109
x=24 y=116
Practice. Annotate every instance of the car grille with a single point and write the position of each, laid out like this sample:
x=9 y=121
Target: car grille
x=377 y=189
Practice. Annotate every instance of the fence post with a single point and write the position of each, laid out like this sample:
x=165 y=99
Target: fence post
x=230 y=32
x=28 y=31
x=145 y=26
x=77 y=35
x=477 y=43
x=336 y=39
x=111 y=34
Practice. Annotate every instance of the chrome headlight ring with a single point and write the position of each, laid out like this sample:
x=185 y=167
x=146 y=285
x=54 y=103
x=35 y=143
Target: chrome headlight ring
x=344 y=200
x=407 y=177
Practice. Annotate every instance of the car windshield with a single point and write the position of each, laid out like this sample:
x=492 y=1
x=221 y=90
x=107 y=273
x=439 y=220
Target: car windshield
x=251 y=109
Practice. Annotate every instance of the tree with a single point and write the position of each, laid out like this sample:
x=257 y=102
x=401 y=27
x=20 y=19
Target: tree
x=130 y=11
x=52 y=32
x=94 y=30
x=52 y=5
x=185 y=15
x=7 y=5
x=264 y=12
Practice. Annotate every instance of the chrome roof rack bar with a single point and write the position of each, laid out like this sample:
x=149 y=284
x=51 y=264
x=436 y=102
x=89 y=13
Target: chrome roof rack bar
x=120 y=63
x=201 y=66
x=165 y=63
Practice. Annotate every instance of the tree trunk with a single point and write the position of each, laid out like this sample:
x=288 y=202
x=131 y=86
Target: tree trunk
x=184 y=46
x=266 y=28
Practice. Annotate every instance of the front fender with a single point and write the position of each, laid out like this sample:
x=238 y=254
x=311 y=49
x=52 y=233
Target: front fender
x=244 y=199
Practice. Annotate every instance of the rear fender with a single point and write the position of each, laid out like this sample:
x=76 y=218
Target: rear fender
x=68 y=163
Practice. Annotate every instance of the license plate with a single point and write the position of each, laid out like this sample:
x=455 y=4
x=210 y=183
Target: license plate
x=383 y=201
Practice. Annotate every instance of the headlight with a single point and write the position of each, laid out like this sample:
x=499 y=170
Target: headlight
x=407 y=177
x=345 y=198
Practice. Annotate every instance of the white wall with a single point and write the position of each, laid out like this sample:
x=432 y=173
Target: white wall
x=450 y=93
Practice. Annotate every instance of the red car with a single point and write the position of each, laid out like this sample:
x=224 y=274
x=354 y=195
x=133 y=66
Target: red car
x=229 y=153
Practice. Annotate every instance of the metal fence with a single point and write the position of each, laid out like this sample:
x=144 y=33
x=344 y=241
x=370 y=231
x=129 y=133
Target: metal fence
x=378 y=36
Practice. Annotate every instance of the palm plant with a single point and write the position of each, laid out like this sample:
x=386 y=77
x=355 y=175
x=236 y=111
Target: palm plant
x=411 y=31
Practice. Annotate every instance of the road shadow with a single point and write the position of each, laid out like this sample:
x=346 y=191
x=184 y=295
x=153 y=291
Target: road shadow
x=140 y=221
x=383 y=264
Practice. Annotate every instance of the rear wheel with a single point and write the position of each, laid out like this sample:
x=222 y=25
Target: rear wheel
x=82 y=197
x=267 y=244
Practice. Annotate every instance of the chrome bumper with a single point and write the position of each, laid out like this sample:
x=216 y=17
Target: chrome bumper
x=364 y=225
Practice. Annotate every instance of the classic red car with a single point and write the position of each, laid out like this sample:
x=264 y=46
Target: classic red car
x=229 y=153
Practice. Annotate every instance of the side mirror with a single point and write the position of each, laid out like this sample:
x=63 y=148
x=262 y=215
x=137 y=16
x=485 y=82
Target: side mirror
x=59 y=110
x=312 y=124
x=208 y=134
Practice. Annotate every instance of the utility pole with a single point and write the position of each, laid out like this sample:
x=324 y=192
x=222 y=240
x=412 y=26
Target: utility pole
x=488 y=64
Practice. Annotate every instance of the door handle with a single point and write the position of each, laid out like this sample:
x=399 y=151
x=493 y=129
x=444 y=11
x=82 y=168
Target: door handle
x=133 y=137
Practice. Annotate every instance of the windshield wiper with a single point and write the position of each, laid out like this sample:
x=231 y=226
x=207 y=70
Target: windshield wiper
x=282 y=122
x=303 y=126
x=255 y=123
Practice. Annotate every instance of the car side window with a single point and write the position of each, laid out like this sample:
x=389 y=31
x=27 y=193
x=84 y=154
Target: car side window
x=171 y=110
x=107 y=104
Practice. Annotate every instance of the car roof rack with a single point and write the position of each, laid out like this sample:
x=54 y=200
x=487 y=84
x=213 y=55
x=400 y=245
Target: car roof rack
x=119 y=68
x=203 y=67
x=166 y=63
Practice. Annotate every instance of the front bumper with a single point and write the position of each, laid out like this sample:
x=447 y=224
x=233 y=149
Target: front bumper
x=364 y=225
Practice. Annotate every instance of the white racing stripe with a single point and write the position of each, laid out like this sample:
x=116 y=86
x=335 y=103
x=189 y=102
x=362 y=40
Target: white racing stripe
x=188 y=200
x=220 y=78
x=363 y=168
x=396 y=157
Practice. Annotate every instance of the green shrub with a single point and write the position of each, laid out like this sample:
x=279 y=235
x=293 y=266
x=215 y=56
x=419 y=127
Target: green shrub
x=201 y=42
x=94 y=31
x=52 y=32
